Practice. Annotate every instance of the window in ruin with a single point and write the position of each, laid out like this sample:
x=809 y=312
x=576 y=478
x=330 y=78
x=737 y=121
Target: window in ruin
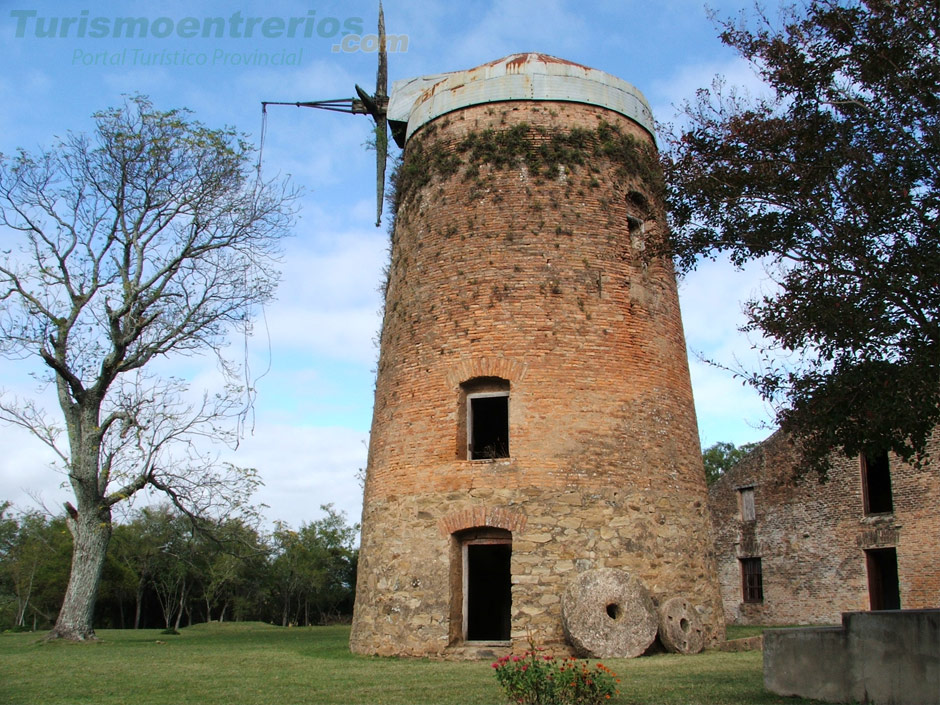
x=876 y=484
x=746 y=504
x=483 y=425
x=482 y=585
x=752 y=580
x=884 y=592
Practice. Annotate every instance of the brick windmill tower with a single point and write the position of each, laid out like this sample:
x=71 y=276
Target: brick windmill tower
x=534 y=466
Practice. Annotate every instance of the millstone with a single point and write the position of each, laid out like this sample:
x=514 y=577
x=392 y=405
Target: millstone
x=680 y=627
x=607 y=613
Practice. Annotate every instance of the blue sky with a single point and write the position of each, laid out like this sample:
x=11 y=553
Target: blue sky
x=309 y=433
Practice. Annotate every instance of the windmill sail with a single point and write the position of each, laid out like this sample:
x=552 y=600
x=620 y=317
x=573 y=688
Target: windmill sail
x=381 y=120
x=375 y=105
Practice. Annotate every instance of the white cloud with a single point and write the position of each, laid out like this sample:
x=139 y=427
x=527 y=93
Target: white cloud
x=27 y=472
x=711 y=298
x=668 y=94
x=304 y=467
x=510 y=26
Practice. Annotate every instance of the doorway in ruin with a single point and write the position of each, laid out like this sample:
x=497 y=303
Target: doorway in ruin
x=482 y=585
x=884 y=592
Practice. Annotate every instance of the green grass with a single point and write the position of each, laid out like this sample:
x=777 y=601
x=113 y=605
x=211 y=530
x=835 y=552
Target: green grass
x=741 y=631
x=259 y=663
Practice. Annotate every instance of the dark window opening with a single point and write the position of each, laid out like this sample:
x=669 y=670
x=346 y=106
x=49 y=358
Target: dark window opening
x=488 y=426
x=483 y=419
x=884 y=592
x=752 y=580
x=489 y=592
x=876 y=484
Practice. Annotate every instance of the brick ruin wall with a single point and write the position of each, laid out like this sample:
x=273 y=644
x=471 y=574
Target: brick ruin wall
x=811 y=536
x=537 y=280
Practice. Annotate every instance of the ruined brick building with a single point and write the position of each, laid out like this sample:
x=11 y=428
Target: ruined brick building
x=797 y=551
x=533 y=415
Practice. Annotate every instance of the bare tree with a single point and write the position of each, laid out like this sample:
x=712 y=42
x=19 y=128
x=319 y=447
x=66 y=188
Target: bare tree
x=150 y=238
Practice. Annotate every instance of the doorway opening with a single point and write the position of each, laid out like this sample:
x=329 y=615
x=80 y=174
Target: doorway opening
x=484 y=597
x=884 y=592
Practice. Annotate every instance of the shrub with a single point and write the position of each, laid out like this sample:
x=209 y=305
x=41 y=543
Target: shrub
x=536 y=679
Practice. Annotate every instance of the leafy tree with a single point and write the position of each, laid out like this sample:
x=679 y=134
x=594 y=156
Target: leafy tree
x=33 y=566
x=313 y=570
x=720 y=457
x=231 y=565
x=9 y=528
x=332 y=583
x=148 y=239
x=135 y=548
x=832 y=181
x=172 y=576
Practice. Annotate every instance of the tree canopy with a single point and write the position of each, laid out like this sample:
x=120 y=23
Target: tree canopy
x=159 y=573
x=153 y=237
x=720 y=457
x=832 y=182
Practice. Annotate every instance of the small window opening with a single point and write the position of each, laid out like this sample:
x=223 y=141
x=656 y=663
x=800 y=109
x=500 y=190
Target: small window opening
x=876 y=484
x=638 y=202
x=489 y=426
x=638 y=213
x=483 y=424
x=614 y=611
x=746 y=504
x=752 y=580
x=884 y=592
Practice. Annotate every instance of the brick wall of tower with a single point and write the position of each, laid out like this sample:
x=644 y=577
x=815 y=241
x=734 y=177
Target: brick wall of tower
x=811 y=536
x=538 y=280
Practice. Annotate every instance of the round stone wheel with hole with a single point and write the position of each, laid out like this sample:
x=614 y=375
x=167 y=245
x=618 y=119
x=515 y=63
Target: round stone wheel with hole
x=680 y=627
x=607 y=613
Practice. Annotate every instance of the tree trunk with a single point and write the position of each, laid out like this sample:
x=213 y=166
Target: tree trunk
x=139 y=598
x=179 y=615
x=91 y=532
x=22 y=597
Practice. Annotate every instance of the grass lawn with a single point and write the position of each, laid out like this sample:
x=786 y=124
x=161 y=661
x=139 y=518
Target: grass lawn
x=259 y=663
x=738 y=631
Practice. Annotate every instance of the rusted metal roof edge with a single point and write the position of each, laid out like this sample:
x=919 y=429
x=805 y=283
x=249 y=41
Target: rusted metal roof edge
x=419 y=100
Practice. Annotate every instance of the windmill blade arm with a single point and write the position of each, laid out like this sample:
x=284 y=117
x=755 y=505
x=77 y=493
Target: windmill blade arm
x=381 y=158
x=340 y=105
x=381 y=76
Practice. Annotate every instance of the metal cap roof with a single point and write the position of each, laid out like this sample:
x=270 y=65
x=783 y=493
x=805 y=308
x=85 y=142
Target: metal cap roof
x=527 y=76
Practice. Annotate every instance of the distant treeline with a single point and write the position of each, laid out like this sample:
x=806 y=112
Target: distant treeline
x=162 y=571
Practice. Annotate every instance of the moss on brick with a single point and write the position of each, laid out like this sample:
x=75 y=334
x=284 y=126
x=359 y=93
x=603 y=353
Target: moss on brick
x=542 y=152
